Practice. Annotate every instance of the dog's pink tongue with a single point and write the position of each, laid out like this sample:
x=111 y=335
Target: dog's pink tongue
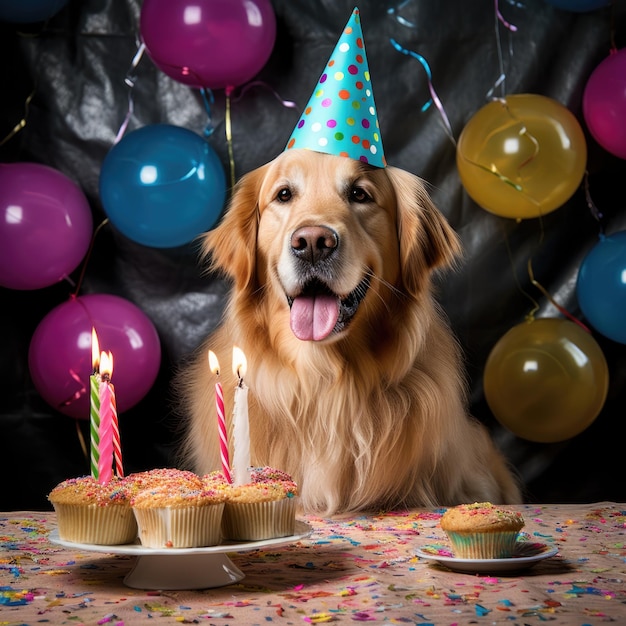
x=314 y=317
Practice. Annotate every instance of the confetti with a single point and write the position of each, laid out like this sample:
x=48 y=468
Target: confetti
x=354 y=570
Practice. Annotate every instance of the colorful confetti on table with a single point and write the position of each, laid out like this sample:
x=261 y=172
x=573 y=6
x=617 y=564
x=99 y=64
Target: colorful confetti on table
x=351 y=569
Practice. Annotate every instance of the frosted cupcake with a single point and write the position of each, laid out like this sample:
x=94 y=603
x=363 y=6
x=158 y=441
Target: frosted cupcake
x=93 y=513
x=162 y=476
x=482 y=530
x=178 y=516
x=264 y=508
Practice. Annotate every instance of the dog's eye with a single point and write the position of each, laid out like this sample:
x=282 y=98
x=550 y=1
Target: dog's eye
x=358 y=194
x=284 y=195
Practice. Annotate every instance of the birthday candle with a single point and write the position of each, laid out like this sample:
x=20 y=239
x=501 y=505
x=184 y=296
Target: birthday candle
x=94 y=414
x=221 y=420
x=117 y=447
x=241 y=426
x=107 y=401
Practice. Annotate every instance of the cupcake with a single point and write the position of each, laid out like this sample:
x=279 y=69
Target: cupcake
x=94 y=513
x=264 y=508
x=162 y=476
x=482 y=530
x=178 y=515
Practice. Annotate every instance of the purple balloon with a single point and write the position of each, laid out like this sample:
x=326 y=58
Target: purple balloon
x=604 y=103
x=209 y=43
x=59 y=357
x=45 y=226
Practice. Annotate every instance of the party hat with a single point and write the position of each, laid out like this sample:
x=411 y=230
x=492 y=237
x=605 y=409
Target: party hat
x=340 y=117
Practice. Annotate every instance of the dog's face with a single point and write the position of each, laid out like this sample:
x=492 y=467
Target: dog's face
x=326 y=237
x=327 y=230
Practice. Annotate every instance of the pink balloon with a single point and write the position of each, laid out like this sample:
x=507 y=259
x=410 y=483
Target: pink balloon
x=59 y=356
x=208 y=43
x=604 y=103
x=45 y=225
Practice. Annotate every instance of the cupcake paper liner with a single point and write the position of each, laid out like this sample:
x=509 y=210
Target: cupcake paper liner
x=186 y=527
x=492 y=545
x=254 y=521
x=95 y=524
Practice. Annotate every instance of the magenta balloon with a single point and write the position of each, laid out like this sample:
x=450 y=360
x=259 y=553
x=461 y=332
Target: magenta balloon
x=209 y=43
x=59 y=356
x=604 y=103
x=45 y=225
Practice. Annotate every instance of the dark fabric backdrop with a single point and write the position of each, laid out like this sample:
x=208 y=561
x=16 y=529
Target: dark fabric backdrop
x=76 y=63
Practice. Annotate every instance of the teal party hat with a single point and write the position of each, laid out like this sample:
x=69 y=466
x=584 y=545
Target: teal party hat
x=341 y=117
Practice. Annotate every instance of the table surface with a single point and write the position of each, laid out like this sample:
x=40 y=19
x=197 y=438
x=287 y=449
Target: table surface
x=363 y=568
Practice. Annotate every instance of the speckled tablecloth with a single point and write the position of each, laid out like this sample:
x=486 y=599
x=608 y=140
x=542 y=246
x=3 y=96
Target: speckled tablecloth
x=356 y=569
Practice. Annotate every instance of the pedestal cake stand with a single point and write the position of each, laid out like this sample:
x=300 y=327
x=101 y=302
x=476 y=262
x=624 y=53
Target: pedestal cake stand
x=184 y=568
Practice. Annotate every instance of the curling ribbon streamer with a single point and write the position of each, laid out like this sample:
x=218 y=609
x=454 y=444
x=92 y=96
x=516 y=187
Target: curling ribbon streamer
x=401 y=20
x=77 y=394
x=228 y=118
x=18 y=127
x=500 y=81
x=208 y=99
x=553 y=302
x=431 y=89
x=229 y=136
x=81 y=439
x=289 y=104
x=595 y=212
x=130 y=79
x=500 y=17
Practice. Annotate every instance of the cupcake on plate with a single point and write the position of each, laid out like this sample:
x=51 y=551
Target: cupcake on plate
x=178 y=515
x=94 y=513
x=482 y=530
x=264 y=508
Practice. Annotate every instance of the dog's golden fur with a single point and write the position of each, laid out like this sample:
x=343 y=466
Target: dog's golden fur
x=372 y=416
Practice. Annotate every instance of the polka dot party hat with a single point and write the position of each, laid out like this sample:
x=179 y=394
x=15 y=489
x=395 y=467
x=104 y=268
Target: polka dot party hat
x=340 y=117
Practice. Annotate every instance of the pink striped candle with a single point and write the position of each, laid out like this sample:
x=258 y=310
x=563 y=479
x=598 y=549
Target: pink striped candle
x=117 y=446
x=221 y=418
x=107 y=408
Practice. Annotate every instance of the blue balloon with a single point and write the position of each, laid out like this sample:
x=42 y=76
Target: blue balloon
x=579 y=6
x=601 y=286
x=29 y=11
x=162 y=186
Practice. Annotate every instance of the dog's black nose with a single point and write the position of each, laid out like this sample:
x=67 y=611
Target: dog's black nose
x=314 y=243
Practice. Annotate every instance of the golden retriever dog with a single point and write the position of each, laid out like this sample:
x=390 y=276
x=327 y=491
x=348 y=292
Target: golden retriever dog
x=355 y=380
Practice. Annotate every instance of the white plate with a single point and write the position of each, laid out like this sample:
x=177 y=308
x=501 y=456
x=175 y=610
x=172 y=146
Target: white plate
x=136 y=549
x=184 y=568
x=526 y=554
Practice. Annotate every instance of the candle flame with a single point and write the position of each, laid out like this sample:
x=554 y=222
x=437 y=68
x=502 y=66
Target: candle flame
x=106 y=364
x=240 y=363
x=95 y=350
x=214 y=364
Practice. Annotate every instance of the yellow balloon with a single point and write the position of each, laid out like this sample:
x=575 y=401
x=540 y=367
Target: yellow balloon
x=522 y=156
x=546 y=380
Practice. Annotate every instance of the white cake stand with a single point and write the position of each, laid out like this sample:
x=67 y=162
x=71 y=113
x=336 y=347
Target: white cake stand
x=184 y=568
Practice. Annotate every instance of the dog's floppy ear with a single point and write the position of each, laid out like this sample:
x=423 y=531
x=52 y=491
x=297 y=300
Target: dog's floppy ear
x=427 y=241
x=231 y=246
